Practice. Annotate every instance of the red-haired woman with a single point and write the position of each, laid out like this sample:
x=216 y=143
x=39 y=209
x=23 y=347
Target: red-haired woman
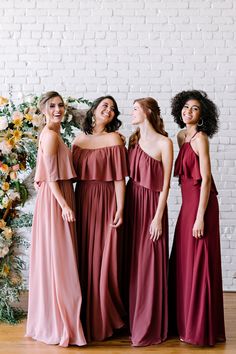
x=150 y=159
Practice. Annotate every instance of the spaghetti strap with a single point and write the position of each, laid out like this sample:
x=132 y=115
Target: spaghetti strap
x=193 y=136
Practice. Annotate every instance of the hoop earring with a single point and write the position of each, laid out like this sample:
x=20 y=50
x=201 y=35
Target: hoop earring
x=93 y=122
x=201 y=124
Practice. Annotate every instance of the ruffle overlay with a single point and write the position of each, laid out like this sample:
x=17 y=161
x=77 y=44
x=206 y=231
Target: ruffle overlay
x=148 y=173
x=187 y=166
x=101 y=164
x=57 y=167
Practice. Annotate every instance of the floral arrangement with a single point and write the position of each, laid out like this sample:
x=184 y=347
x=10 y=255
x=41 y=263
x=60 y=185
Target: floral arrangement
x=19 y=127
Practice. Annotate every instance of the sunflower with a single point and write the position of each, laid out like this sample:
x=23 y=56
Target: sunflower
x=17 y=119
x=17 y=134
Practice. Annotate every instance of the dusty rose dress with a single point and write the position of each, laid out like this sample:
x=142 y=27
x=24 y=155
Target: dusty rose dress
x=196 y=298
x=54 y=288
x=149 y=260
x=97 y=169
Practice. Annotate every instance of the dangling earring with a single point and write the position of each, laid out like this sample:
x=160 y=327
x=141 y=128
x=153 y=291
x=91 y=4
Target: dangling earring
x=93 y=122
x=201 y=124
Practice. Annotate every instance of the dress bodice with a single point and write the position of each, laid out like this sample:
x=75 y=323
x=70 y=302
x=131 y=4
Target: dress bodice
x=101 y=164
x=144 y=169
x=187 y=166
x=54 y=167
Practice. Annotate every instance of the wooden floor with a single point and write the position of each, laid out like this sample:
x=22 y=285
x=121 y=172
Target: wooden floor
x=12 y=340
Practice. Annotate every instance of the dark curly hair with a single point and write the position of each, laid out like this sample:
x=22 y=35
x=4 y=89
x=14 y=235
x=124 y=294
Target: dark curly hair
x=114 y=125
x=209 y=111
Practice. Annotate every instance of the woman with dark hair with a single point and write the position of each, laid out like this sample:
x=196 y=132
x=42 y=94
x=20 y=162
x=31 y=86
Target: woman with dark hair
x=54 y=288
x=195 y=285
x=100 y=161
x=150 y=158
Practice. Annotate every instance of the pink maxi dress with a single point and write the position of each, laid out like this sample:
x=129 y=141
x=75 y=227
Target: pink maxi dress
x=97 y=169
x=148 y=260
x=54 y=287
x=195 y=286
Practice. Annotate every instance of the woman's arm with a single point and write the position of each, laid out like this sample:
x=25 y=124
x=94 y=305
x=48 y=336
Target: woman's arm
x=120 y=201
x=167 y=161
x=201 y=145
x=50 y=145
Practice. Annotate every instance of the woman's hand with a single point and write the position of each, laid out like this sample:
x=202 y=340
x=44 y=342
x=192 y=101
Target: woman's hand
x=118 y=219
x=36 y=186
x=68 y=214
x=198 y=228
x=155 y=229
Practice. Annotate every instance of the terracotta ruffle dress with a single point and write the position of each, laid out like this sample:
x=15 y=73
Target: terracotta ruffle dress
x=54 y=287
x=148 y=260
x=196 y=298
x=97 y=169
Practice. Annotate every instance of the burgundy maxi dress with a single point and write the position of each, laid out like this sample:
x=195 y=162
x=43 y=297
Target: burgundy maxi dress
x=148 y=271
x=196 y=298
x=97 y=169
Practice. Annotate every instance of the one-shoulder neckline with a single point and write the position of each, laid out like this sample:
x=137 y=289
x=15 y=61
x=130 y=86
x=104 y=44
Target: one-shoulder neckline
x=95 y=149
x=145 y=153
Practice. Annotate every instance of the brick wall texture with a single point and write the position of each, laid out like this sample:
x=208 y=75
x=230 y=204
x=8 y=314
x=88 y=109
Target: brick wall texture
x=132 y=49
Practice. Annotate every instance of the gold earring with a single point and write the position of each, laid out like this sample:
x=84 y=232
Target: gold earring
x=93 y=121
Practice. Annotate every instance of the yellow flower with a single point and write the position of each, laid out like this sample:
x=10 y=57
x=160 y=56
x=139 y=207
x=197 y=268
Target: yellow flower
x=3 y=101
x=17 y=134
x=10 y=143
x=5 y=270
x=17 y=119
x=2 y=223
x=7 y=232
x=5 y=186
x=4 y=168
x=28 y=117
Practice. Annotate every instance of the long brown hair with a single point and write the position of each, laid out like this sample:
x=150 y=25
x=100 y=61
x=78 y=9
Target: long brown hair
x=153 y=114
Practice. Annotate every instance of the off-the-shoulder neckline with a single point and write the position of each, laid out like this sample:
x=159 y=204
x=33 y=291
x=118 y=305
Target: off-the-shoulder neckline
x=100 y=148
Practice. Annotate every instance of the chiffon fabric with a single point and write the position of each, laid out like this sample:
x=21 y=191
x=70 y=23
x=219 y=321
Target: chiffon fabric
x=196 y=298
x=97 y=169
x=54 y=288
x=148 y=302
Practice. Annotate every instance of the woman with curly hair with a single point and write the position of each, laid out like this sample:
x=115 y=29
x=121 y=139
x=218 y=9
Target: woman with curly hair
x=150 y=158
x=100 y=161
x=195 y=280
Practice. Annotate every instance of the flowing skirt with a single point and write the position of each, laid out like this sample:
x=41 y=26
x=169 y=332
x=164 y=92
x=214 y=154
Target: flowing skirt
x=54 y=288
x=102 y=308
x=196 y=297
x=148 y=269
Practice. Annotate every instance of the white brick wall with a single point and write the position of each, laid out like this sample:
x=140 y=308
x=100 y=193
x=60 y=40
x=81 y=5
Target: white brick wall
x=131 y=49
